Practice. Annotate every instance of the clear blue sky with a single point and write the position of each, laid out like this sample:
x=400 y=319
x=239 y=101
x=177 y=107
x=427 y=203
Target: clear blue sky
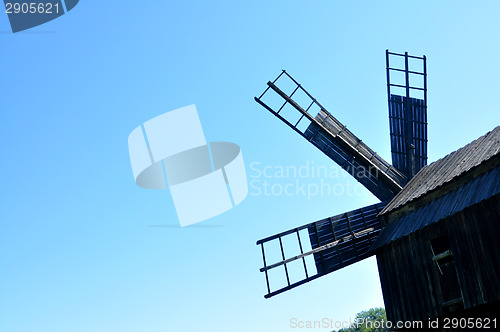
x=78 y=252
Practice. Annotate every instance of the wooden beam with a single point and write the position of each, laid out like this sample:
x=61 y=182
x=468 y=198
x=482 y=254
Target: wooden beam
x=319 y=249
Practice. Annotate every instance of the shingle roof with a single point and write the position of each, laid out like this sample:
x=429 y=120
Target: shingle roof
x=483 y=187
x=455 y=200
x=446 y=169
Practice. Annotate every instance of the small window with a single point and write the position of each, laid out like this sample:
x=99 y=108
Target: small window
x=441 y=250
x=442 y=256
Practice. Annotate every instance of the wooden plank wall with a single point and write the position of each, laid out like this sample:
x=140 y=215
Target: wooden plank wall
x=410 y=280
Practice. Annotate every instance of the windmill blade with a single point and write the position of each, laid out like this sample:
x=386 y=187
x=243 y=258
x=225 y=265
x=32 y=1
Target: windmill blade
x=407 y=114
x=329 y=135
x=335 y=242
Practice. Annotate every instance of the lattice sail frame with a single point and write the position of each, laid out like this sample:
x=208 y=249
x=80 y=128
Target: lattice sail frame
x=334 y=139
x=346 y=238
x=407 y=116
x=336 y=242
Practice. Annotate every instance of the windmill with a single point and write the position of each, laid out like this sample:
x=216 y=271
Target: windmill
x=434 y=233
x=345 y=239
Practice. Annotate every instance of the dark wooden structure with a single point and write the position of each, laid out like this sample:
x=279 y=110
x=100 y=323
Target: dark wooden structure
x=439 y=254
x=344 y=239
x=407 y=116
x=336 y=242
x=436 y=231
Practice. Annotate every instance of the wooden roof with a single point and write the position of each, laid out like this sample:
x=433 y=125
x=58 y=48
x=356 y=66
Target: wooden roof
x=432 y=204
x=448 y=168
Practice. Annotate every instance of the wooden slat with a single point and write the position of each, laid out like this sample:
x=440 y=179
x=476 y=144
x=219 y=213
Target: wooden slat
x=320 y=249
x=331 y=241
x=337 y=141
x=398 y=118
x=412 y=285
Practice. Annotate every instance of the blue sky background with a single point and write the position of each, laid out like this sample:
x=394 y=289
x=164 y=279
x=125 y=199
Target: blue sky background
x=78 y=251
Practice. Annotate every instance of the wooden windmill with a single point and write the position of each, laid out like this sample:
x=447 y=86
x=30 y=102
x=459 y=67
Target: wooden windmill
x=434 y=233
x=344 y=239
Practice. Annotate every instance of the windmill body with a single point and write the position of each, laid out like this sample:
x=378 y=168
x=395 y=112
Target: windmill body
x=438 y=256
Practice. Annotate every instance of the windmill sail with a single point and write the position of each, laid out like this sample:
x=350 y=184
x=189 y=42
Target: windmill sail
x=336 y=242
x=407 y=115
x=329 y=135
x=401 y=111
x=346 y=238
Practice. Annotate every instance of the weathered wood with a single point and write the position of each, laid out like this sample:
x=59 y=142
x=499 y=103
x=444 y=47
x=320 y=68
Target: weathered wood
x=412 y=285
x=440 y=256
x=407 y=123
x=472 y=187
x=331 y=137
x=466 y=161
x=451 y=302
x=319 y=249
